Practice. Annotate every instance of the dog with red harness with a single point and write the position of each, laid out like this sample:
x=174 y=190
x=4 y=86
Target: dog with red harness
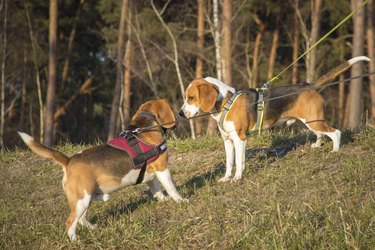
x=136 y=156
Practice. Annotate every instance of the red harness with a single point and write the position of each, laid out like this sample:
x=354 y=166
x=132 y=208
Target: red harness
x=140 y=152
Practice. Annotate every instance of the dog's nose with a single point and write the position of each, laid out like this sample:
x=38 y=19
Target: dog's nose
x=181 y=113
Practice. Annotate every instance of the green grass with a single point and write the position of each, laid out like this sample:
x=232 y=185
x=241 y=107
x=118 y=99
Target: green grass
x=291 y=197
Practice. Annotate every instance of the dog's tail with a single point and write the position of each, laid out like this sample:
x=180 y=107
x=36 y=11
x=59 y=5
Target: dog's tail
x=339 y=69
x=44 y=151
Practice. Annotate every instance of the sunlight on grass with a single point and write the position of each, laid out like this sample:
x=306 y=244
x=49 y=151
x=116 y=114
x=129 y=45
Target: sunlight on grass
x=291 y=197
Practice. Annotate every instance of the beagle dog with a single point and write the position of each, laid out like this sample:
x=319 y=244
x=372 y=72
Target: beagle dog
x=285 y=105
x=98 y=171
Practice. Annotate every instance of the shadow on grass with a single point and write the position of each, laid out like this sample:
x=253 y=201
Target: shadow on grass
x=200 y=181
x=282 y=143
x=118 y=211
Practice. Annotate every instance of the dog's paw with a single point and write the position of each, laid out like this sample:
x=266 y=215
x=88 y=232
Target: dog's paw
x=224 y=179
x=180 y=199
x=315 y=145
x=92 y=226
x=184 y=200
x=236 y=178
x=163 y=198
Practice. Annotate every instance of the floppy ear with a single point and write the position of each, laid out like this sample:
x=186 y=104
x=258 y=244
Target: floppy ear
x=163 y=113
x=207 y=97
x=144 y=107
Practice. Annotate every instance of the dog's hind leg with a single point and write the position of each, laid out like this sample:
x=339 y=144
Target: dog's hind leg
x=321 y=128
x=240 y=148
x=318 y=141
x=78 y=209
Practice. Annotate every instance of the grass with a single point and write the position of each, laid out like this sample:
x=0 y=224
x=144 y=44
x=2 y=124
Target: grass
x=291 y=197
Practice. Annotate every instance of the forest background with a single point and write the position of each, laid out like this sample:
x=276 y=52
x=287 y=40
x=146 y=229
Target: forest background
x=78 y=70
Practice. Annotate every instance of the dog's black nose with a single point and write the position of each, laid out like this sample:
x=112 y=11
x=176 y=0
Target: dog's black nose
x=181 y=113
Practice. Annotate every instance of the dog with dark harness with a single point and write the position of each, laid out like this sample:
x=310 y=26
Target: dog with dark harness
x=237 y=112
x=136 y=156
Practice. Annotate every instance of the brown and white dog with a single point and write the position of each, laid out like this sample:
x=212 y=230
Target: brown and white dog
x=306 y=105
x=98 y=171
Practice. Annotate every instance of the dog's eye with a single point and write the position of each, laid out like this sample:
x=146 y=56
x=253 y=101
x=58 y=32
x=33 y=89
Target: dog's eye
x=190 y=98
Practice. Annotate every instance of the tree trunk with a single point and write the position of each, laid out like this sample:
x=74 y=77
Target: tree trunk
x=127 y=81
x=72 y=36
x=295 y=46
x=52 y=73
x=226 y=45
x=355 y=88
x=341 y=100
x=2 y=109
x=371 y=54
x=217 y=40
x=200 y=39
x=120 y=55
x=211 y=126
x=37 y=80
x=199 y=62
x=347 y=111
x=258 y=39
x=273 y=53
x=315 y=27
x=22 y=121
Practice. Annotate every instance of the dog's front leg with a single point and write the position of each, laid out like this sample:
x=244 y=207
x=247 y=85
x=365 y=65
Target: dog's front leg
x=229 y=151
x=165 y=179
x=240 y=149
x=156 y=190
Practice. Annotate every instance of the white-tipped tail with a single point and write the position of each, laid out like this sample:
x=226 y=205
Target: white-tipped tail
x=25 y=137
x=43 y=150
x=358 y=59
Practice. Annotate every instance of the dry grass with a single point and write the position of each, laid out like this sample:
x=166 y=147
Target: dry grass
x=291 y=197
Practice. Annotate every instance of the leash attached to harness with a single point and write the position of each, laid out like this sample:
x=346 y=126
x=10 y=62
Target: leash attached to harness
x=139 y=151
x=262 y=94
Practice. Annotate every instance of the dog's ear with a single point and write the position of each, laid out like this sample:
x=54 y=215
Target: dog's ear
x=163 y=113
x=207 y=97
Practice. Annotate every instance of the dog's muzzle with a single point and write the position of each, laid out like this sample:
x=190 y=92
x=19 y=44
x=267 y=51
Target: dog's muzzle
x=181 y=113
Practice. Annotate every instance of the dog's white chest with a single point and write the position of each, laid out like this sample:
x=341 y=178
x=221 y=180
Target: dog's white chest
x=132 y=177
x=229 y=131
x=129 y=179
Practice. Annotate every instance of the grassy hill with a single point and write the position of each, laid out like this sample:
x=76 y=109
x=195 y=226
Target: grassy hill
x=291 y=197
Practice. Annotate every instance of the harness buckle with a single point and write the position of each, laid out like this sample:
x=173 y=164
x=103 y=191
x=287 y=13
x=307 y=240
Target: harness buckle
x=136 y=131
x=124 y=134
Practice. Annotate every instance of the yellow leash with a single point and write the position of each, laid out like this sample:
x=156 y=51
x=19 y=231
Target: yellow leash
x=320 y=40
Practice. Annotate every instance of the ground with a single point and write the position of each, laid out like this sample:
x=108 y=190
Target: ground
x=291 y=196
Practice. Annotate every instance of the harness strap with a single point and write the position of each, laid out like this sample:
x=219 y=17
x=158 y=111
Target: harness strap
x=227 y=107
x=141 y=173
x=132 y=142
x=260 y=110
x=143 y=157
x=140 y=160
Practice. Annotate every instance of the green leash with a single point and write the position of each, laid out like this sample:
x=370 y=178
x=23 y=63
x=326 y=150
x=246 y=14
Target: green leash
x=320 y=40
